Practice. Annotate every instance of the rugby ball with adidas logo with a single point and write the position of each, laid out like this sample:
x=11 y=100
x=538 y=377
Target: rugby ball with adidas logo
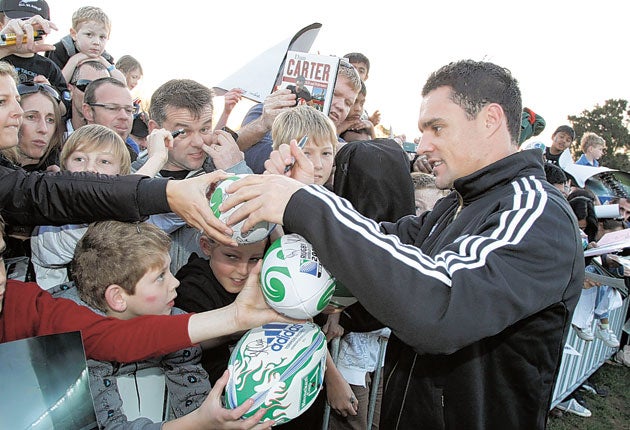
x=294 y=282
x=280 y=366
x=259 y=232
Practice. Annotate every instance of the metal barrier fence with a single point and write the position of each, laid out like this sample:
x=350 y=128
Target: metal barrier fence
x=581 y=359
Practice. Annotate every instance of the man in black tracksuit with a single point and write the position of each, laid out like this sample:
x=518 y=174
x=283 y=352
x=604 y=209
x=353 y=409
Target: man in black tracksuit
x=480 y=291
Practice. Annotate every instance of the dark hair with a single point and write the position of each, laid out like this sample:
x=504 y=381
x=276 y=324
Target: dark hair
x=583 y=204
x=357 y=57
x=363 y=90
x=555 y=174
x=182 y=94
x=475 y=84
x=89 y=95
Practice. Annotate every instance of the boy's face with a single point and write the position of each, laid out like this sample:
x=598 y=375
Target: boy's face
x=90 y=38
x=155 y=292
x=98 y=160
x=362 y=68
x=231 y=264
x=343 y=99
x=597 y=151
x=357 y=108
x=426 y=198
x=561 y=141
x=322 y=156
x=187 y=152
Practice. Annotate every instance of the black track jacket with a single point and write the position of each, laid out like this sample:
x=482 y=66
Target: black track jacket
x=478 y=293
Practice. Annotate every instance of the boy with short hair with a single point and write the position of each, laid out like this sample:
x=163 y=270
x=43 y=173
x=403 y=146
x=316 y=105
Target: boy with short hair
x=561 y=140
x=87 y=39
x=593 y=148
x=321 y=143
x=122 y=271
x=426 y=193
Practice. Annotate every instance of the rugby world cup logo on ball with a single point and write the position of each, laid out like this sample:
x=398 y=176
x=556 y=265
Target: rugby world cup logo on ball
x=280 y=366
x=259 y=232
x=294 y=282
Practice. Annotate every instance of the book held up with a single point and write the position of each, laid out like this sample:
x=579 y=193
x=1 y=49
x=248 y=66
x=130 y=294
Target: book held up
x=311 y=77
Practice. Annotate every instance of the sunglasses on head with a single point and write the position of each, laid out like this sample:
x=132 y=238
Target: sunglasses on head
x=82 y=84
x=33 y=87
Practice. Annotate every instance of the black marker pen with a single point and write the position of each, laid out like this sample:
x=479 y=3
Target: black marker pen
x=177 y=132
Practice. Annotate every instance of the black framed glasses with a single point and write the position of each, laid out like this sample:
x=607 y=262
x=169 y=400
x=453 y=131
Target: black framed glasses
x=30 y=87
x=129 y=109
x=82 y=84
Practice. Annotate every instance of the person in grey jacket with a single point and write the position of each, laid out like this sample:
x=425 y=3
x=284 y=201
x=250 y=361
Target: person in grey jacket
x=478 y=292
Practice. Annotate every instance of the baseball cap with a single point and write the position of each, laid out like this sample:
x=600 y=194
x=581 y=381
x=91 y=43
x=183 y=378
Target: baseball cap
x=566 y=129
x=25 y=8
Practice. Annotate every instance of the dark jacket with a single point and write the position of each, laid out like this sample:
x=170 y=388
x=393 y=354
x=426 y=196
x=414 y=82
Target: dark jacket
x=66 y=48
x=71 y=198
x=478 y=293
x=374 y=176
x=199 y=291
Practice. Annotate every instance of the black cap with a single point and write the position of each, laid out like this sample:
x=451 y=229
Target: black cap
x=139 y=127
x=18 y=9
x=566 y=129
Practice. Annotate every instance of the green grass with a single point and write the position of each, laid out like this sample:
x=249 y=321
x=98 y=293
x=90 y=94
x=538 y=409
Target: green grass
x=609 y=413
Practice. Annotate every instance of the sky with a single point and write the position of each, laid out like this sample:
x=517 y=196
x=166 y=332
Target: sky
x=568 y=56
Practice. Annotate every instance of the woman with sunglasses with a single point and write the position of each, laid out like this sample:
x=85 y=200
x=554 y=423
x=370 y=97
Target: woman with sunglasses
x=40 y=133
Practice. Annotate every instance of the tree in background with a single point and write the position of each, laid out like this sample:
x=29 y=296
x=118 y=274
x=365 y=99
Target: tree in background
x=610 y=121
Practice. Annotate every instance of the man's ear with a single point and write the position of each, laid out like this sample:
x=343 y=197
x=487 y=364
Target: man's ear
x=494 y=117
x=116 y=298
x=88 y=113
x=153 y=125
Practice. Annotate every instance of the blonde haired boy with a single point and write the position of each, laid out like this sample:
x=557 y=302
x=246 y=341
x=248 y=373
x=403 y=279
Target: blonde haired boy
x=88 y=36
x=321 y=142
x=593 y=148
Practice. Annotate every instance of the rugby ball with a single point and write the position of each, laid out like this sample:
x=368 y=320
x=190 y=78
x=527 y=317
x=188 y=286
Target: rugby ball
x=294 y=282
x=280 y=366
x=342 y=298
x=259 y=232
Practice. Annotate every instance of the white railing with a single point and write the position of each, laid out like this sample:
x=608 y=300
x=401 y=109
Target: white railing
x=581 y=359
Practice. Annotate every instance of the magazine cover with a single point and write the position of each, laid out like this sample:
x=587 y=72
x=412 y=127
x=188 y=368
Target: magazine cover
x=311 y=77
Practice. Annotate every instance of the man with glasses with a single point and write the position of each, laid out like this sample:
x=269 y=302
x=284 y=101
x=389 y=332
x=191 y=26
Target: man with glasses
x=83 y=75
x=108 y=102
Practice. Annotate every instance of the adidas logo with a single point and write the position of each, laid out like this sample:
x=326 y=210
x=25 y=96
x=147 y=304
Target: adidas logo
x=278 y=335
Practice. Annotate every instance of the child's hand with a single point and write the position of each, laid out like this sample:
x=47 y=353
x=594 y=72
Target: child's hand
x=292 y=162
x=341 y=398
x=332 y=329
x=231 y=98
x=212 y=415
x=251 y=308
